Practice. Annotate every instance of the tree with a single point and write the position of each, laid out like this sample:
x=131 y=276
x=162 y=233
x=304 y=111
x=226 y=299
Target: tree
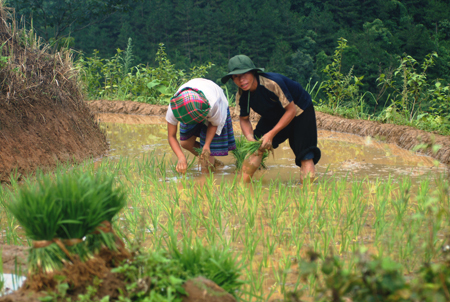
x=55 y=18
x=301 y=68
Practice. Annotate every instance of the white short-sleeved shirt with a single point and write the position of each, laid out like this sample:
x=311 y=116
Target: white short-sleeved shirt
x=217 y=100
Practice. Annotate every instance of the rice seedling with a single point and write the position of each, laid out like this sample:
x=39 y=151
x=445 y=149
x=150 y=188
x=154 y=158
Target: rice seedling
x=244 y=149
x=266 y=223
x=39 y=212
x=58 y=214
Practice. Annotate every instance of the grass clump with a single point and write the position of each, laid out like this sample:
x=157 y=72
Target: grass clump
x=160 y=274
x=39 y=212
x=214 y=263
x=374 y=278
x=57 y=214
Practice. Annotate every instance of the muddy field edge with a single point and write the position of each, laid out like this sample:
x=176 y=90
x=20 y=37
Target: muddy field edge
x=403 y=136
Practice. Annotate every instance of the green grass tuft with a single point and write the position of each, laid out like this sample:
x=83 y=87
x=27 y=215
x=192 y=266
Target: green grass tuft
x=71 y=206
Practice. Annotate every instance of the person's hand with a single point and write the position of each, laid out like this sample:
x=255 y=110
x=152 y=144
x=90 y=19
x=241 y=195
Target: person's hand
x=250 y=138
x=266 y=142
x=206 y=153
x=182 y=166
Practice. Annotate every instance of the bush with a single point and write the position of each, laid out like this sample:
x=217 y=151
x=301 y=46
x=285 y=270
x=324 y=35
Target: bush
x=160 y=274
x=375 y=279
x=117 y=79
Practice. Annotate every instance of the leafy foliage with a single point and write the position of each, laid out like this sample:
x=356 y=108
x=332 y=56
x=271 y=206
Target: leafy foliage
x=375 y=279
x=53 y=18
x=380 y=37
x=340 y=88
x=115 y=78
x=159 y=275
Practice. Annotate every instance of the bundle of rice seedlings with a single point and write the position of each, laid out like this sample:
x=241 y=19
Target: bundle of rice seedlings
x=215 y=263
x=39 y=212
x=244 y=149
x=90 y=202
x=59 y=214
x=110 y=201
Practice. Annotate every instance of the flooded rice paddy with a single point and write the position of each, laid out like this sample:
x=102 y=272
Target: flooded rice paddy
x=369 y=195
x=342 y=154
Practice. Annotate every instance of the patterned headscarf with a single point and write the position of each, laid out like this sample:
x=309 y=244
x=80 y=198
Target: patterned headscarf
x=190 y=106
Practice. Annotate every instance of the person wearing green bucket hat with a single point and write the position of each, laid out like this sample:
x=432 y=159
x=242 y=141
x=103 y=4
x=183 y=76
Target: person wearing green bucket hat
x=239 y=64
x=286 y=110
x=201 y=108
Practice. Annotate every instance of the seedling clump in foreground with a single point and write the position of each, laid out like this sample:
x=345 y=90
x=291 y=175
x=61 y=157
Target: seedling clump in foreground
x=58 y=214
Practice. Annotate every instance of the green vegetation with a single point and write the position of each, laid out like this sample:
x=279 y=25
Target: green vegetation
x=118 y=79
x=295 y=38
x=377 y=60
x=167 y=270
x=58 y=213
x=375 y=279
x=271 y=227
x=392 y=66
x=244 y=149
x=412 y=98
x=54 y=19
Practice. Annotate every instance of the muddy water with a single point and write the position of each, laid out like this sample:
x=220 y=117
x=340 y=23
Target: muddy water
x=342 y=154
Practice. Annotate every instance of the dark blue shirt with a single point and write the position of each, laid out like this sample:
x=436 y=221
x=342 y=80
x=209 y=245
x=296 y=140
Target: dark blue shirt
x=273 y=93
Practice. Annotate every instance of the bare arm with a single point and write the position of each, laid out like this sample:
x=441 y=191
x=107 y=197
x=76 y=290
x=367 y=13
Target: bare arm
x=210 y=132
x=247 y=128
x=175 y=145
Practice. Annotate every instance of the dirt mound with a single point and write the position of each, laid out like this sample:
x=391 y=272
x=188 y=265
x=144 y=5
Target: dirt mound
x=97 y=272
x=127 y=107
x=43 y=119
x=78 y=276
x=403 y=136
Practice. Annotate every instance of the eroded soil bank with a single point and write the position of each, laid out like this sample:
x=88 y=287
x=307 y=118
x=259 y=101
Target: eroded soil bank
x=40 y=133
x=43 y=117
x=403 y=136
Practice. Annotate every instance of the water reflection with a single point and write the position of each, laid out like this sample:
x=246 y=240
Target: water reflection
x=342 y=154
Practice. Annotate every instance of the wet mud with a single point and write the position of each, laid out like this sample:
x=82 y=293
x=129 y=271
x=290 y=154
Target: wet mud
x=343 y=154
x=402 y=136
x=14 y=258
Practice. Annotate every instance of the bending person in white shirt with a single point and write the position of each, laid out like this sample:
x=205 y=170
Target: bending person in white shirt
x=202 y=110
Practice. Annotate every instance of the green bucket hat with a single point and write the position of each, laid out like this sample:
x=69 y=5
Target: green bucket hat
x=238 y=65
